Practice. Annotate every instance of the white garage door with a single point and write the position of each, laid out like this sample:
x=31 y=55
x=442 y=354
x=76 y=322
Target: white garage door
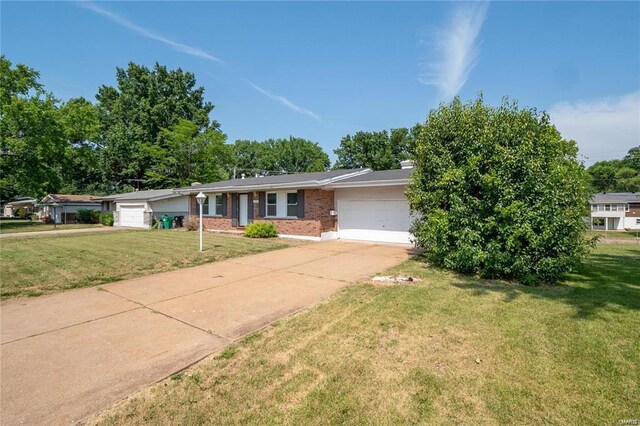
x=374 y=220
x=132 y=216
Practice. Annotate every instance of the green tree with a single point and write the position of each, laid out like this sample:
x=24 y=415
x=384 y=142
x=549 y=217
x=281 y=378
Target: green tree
x=498 y=193
x=297 y=155
x=377 y=150
x=185 y=155
x=134 y=113
x=632 y=159
x=293 y=155
x=80 y=123
x=617 y=175
x=251 y=157
x=603 y=176
x=32 y=143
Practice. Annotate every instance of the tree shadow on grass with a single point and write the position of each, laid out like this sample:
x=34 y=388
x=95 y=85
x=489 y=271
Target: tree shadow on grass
x=20 y=224
x=604 y=282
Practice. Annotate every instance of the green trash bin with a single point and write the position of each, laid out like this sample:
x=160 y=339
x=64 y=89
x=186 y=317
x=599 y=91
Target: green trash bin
x=166 y=222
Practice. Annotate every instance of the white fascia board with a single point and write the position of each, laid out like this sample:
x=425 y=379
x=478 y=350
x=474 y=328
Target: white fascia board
x=159 y=197
x=345 y=176
x=252 y=188
x=165 y=197
x=265 y=187
x=374 y=183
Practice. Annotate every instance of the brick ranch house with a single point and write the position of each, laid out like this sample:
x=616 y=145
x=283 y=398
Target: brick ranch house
x=615 y=211
x=351 y=204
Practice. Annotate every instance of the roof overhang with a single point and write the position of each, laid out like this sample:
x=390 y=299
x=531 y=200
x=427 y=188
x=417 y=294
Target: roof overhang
x=309 y=184
x=370 y=184
x=117 y=199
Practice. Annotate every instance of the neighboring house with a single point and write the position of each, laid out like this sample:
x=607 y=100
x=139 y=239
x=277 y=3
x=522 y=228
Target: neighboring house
x=64 y=207
x=13 y=207
x=615 y=211
x=137 y=209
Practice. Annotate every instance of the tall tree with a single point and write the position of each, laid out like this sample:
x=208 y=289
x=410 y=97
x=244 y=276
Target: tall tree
x=251 y=157
x=297 y=155
x=498 y=193
x=81 y=127
x=617 y=175
x=377 y=150
x=32 y=142
x=185 y=155
x=134 y=113
x=293 y=155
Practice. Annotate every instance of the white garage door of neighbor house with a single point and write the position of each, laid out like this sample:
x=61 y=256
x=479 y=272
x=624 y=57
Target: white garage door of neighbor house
x=132 y=216
x=374 y=220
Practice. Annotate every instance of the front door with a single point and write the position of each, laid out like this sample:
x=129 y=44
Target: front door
x=244 y=210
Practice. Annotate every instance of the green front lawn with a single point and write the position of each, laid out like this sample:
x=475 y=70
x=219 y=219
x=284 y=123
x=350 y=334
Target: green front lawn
x=447 y=350
x=35 y=266
x=10 y=226
x=615 y=234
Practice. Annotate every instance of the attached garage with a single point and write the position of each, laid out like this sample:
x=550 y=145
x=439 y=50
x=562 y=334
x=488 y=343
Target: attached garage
x=132 y=216
x=139 y=209
x=379 y=214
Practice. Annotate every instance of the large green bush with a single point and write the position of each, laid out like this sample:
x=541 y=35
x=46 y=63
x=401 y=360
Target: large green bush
x=88 y=216
x=261 y=230
x=106 y=219
x=498 y=193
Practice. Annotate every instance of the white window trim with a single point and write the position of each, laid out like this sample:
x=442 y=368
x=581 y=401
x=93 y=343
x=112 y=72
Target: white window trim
x=281 y=205
x=266 y=205
x=212 y=205
x=286 y=204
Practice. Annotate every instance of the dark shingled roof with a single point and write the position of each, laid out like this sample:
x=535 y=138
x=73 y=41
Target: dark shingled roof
x=71 y=198
x=141 y=195
x=616 y=197
x=314 y=178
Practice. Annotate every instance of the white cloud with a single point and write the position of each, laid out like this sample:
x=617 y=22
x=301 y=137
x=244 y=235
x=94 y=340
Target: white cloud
x=190 y=50
x=603 y=128
x=284 y=101
x=124 y=22
x=456 y=50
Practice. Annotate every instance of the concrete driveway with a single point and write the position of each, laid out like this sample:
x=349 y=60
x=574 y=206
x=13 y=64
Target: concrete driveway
x=69 y=355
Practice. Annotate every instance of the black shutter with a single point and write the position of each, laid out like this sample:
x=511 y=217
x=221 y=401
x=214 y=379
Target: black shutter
x=300 y=203
x=250 y=207
x=224 y=205
x=262 y=204
x=234 y=210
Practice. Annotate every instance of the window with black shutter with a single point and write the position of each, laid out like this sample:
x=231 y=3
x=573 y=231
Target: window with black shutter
x=272 y=204
x=292 y=204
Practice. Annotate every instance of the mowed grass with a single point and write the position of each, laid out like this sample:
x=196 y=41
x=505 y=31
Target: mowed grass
x=10 y=226
x=46 y=264
x=615 y=234
x=447 y=350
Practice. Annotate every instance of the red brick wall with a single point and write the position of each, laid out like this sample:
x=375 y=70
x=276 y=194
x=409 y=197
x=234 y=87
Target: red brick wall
x=317 y=204
x=307 y=228
x=211 y=222
x=634 y=210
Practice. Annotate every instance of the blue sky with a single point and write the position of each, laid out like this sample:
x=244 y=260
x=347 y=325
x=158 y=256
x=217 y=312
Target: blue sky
x=324 y=70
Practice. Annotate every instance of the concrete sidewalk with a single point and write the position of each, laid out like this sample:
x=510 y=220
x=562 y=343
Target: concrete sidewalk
x=66 y=356
x=64 y=232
